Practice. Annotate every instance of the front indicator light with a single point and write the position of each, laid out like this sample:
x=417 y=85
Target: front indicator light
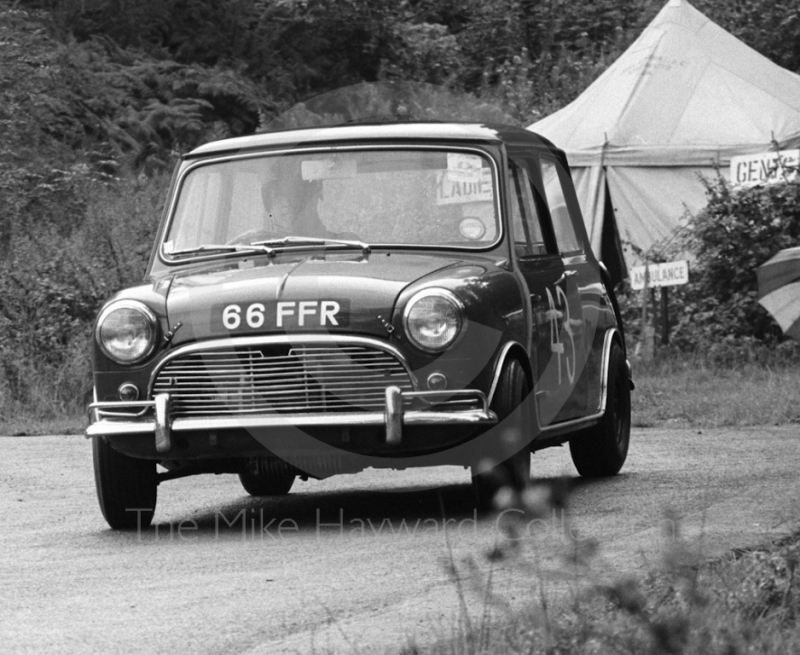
x=437 y=382
x=128 y=392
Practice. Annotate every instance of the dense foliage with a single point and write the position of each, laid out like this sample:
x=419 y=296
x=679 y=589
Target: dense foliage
x=97 y=97
x=737 y=232
x=717 y=315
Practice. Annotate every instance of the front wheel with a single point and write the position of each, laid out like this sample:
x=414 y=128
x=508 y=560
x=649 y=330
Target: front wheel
x=126 y=487
x=601 y=451
x=510 y=463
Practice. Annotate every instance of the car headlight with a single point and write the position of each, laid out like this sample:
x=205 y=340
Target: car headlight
x=433 y=319
x=126 y=331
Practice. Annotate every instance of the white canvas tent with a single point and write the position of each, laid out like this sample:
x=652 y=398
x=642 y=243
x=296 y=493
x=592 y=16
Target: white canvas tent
x=680 y=102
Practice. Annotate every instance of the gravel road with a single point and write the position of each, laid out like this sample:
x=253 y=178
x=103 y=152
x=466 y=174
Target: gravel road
x=352 y=564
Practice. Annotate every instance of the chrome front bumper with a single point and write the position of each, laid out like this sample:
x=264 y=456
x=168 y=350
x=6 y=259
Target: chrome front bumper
x=154 y=417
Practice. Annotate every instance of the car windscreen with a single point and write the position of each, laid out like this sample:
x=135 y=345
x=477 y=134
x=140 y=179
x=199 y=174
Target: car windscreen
x=400 y=196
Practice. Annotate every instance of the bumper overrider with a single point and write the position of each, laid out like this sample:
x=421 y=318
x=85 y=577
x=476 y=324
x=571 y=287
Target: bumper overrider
x=401 y=408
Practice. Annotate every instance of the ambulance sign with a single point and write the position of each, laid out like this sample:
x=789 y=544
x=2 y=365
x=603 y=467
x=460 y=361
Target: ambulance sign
x=661 y=275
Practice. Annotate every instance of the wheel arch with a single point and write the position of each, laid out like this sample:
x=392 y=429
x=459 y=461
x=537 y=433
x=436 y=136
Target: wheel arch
x=606 y=278
x=612 y=336
x=511 y=350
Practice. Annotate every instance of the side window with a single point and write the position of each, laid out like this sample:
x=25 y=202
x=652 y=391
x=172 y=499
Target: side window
x=527 y=229
x=563 y=225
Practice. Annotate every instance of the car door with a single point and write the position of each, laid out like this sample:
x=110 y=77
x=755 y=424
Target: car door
x=546 y=278
x=562 y=215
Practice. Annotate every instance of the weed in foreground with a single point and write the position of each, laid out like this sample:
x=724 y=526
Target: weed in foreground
x=746 y=602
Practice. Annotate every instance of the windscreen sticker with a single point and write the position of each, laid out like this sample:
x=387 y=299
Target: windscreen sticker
x=450 y=191
x=472 y=228
x=328 y=169
x=464 y=167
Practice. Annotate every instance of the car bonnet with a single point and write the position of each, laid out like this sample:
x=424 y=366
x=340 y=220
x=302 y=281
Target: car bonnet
x=308 y=292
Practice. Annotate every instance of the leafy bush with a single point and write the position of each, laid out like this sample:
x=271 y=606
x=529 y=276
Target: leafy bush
x=53 y=282
x=717 y=313
x=731 y=238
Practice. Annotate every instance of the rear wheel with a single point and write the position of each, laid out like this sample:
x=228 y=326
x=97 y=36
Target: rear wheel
x=267 y=484
x=510 y=464
x=126 y=487
x=601 y=450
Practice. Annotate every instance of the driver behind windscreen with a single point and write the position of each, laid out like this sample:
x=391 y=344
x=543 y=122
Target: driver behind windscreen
x=292 y=203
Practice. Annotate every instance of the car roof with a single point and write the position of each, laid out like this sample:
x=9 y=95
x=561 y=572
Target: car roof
x=494 y=133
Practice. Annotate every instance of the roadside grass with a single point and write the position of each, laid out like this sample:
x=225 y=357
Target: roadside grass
x=56 y=395
x=22 y=426
x=747 y=601
x=686 y=391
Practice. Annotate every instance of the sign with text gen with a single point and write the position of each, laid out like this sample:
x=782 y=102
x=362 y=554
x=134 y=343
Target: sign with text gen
x=764 y=168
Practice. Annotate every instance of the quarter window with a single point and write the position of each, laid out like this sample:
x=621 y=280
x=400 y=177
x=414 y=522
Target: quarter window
x=528 y=238
x=563 y=224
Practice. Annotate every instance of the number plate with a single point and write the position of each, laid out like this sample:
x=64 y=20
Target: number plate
x=281 y=314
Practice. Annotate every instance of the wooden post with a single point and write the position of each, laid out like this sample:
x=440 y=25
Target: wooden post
x=646 y=343
x=664 y=316
x=644 y=297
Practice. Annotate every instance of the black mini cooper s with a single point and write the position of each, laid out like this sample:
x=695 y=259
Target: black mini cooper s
x=324 y=300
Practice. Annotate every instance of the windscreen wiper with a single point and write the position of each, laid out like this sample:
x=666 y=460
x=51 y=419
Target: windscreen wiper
x=291 y=241
x=225 y=247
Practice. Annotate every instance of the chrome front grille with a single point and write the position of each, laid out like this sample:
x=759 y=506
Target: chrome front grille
x=284 y=378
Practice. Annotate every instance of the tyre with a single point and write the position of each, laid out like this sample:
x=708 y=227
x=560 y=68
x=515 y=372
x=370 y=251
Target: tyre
x=126 y=487
x=510 y=464
x=601 y=450
x=277 y=483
